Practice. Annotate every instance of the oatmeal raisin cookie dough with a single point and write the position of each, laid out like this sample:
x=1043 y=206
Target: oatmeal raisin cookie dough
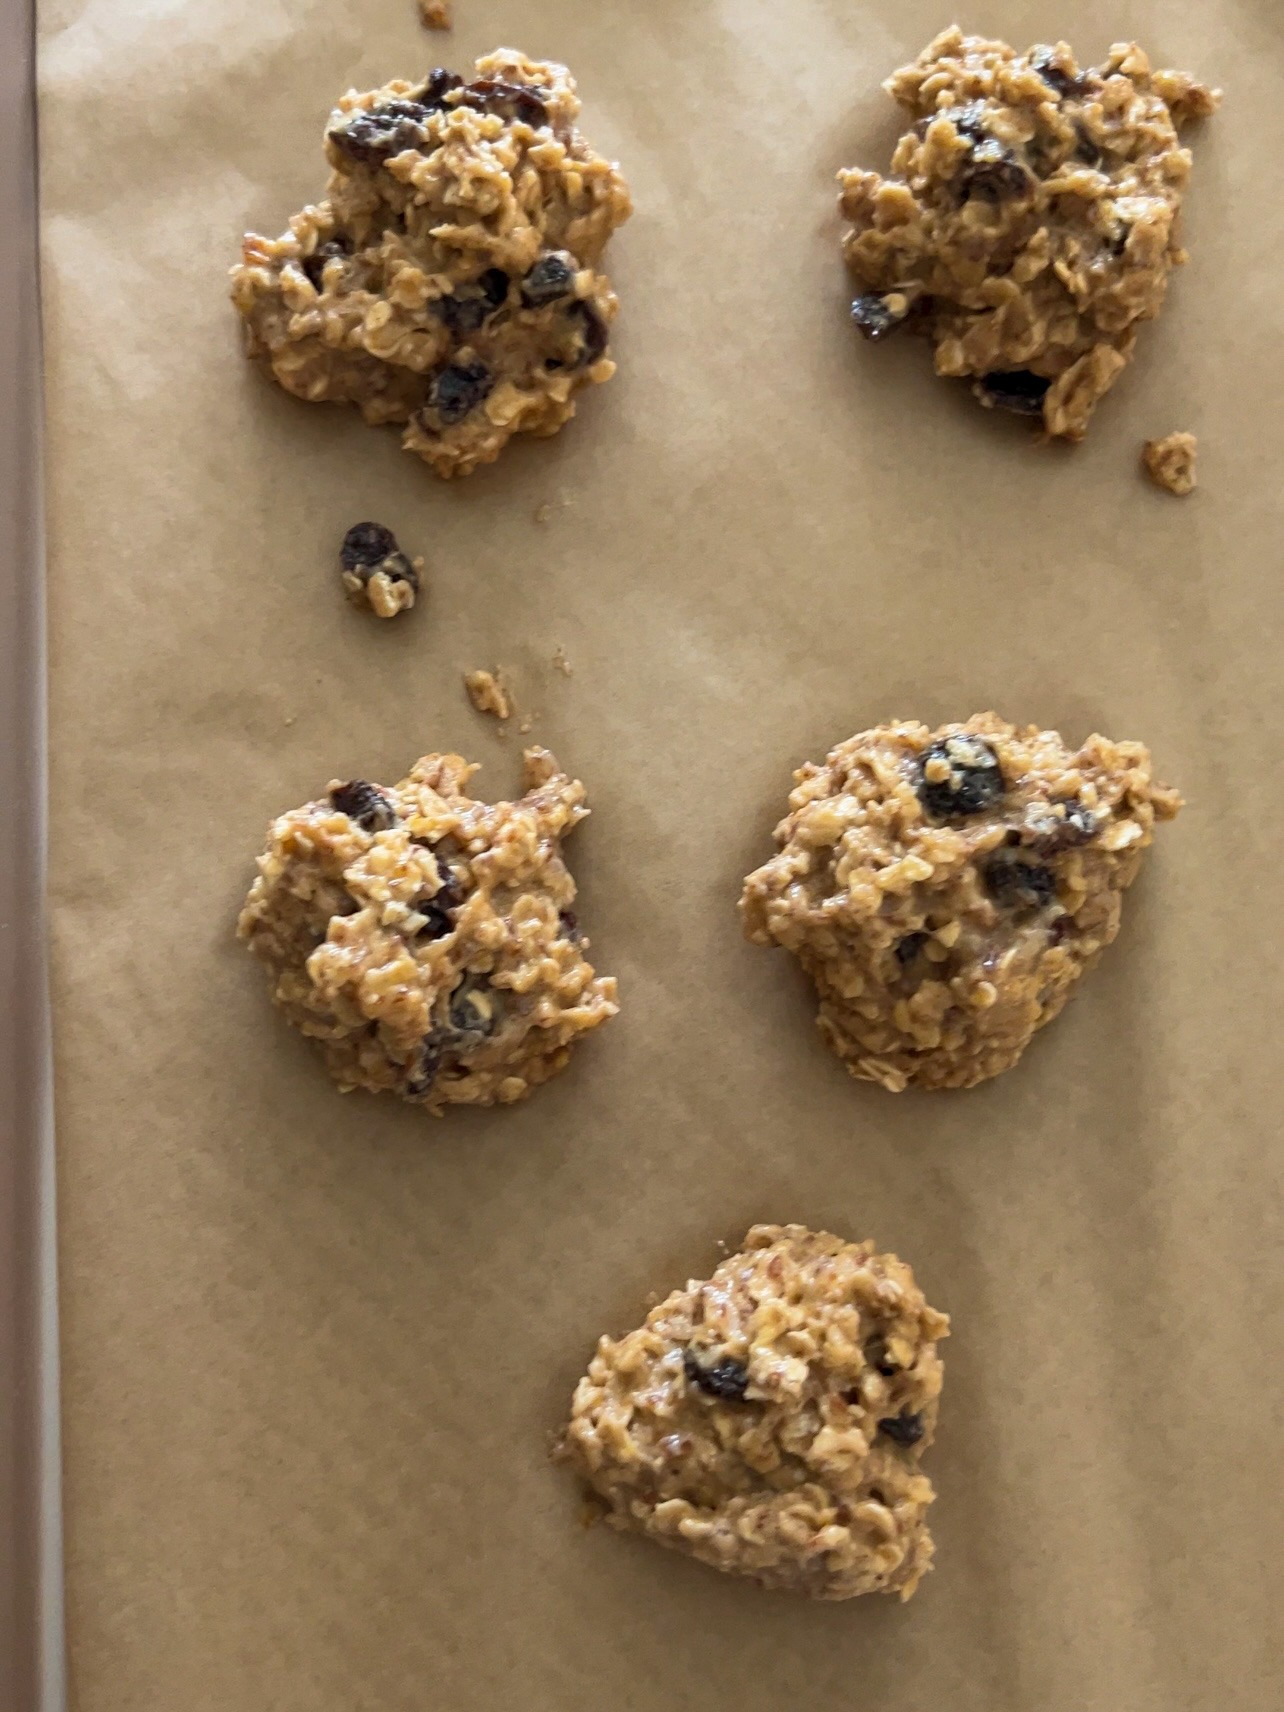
x=944 y=890
x=1030 y=219
x=770 y=1420
x=376 y=574
x=427 y=940
x=449 y=282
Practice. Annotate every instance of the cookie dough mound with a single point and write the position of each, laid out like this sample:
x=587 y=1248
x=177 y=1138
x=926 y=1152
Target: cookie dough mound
x=449 y=281
x=770 y=1421
x=427 y=940
x=946 y=889
x=1030 y=218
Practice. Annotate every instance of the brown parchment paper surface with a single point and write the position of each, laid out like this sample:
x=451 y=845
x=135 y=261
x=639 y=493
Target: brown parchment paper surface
x=315 y=1346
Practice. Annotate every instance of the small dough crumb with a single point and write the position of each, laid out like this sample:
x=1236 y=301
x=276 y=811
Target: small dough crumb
x=436 y=14
x=1171 y=462
x=526 y=723
x=376 y=573
x=560 y=661
x=488 y=693
x=428 y=941
x=770 y=1420
x=543 y=512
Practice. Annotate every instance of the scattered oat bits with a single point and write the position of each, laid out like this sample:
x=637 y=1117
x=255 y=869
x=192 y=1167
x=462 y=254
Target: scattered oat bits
x=436 y=14
x=488 y=693
x=449 y=281
x=427 y=941
x=1029 y=221
x=376 y=573
x=771 y=1420
x=1170 y=462
x=946 y=890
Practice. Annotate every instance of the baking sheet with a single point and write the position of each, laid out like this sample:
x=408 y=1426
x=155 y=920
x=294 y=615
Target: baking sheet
x=314 y=1347
x=31 y=1677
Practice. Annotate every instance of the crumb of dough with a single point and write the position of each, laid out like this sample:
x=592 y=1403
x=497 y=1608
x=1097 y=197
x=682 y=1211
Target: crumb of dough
x=1030 y=218
x=436 y=14
x=449 y=281
x=376 y=573
x=945 y=890
x=1171 y=462
x=543 y=512
x=488 y=693
x=770 y=1421
x=426 y=940
x=560 y=661
x=526 y=723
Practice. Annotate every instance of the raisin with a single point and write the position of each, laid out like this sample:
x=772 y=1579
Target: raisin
x=569 y=923
x=727 y=1378
x=369 y=547
x=1085 y=149
x=438 y=910
x=314 y=265
x=1017 y=390
x=366 y=544
x=968 y=120
x=374 y=134
x=1049 y=837
x=873 y=317
x=465 y=309
x=552 y=277
x=425 y=1071
x=364 y=803
x=1059 y=930
x=993 y=171
x=1019 y=885
x=908 y=947
x=513 y=101
x=462 y=311
x=437 y=87
x=459 y=388
x=877 y=1355
x=1064 y=82
x=594 y=334
x=974 y=782
x=903 y=1429
x=494 y=287
x=473 y=1011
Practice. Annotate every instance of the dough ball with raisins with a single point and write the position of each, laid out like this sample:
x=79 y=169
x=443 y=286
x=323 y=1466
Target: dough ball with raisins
x=426 y=939
x=946 y=889
x=449 y=281
x=770 y=1420
x=1030 y=218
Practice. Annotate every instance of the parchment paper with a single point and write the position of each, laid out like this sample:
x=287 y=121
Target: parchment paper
x=315 y=1347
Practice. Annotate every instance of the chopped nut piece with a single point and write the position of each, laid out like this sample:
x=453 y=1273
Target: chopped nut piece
x=435 y=14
